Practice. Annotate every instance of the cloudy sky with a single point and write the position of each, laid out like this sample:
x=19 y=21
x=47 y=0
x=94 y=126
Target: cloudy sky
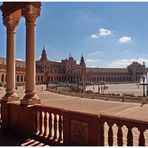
x=107 y=34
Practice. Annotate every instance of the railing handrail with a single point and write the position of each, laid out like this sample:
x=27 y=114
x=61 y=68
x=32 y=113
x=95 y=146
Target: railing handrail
x=62 y=110
x=112 y=118
x=55 y=119
x=47 y=108
x=103 y=117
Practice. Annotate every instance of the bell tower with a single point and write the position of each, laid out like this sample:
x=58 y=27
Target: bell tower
x=43 y=55
x=82 y=62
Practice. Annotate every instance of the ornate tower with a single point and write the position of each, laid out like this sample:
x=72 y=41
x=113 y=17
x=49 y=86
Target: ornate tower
x=43 y=55
x=82 y=62
x=44 y=59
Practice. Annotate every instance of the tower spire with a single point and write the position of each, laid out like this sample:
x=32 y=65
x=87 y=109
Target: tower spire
x=44 y=47
x=44 y=55
x=82 y=60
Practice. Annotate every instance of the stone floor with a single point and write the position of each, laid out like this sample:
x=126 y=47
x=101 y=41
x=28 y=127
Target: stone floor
x=122 y=109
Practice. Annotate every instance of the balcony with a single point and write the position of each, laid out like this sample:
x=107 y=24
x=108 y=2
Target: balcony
x=85 y=122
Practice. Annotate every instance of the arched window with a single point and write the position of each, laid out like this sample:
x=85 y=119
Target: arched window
x=21 y=78
x=41 y=78
x=17 y=78
x=2 y=78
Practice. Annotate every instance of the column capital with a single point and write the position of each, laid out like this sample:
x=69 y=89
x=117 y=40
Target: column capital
x=30 y=13
x=10 y=22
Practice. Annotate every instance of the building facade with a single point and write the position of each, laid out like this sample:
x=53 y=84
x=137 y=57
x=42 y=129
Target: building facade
x=68 y=71
x=133 y=73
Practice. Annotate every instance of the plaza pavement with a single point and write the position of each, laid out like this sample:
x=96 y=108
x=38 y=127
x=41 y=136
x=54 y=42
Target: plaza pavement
x=94 y=106
x=123 y=88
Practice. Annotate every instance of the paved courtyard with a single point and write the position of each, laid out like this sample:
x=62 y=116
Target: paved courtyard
x=124 y=109
x=128 y=88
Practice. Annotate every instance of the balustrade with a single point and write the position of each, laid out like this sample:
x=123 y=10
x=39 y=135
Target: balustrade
x=49 y=124
x=142 y=127
x=0 y=111
x=49 y=127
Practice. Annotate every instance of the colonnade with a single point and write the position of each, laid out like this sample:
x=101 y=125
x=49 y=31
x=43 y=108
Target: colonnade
x=30 y=13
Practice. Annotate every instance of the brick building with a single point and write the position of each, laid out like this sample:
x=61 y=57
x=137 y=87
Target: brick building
x=68 y=71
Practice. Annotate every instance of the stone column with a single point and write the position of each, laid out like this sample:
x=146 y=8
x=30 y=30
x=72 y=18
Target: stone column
x=30 y=14
x=10 y=23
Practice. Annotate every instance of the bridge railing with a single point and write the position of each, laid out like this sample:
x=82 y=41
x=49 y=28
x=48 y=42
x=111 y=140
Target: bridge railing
x=122 y=131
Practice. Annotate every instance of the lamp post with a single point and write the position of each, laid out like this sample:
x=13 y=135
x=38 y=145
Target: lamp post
x=146 y=85
x=143 y=79
x=46 y=80
x=98 y=88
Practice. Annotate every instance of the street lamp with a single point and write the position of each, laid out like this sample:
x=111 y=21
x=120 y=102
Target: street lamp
x=143 y=79
x=98 y=88
x=146 y=85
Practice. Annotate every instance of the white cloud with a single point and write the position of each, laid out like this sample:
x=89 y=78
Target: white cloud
x=125 y=39
x=104 y=32
x=95 y=53
x=94 y=36
x=92 y=62
x=123 y=63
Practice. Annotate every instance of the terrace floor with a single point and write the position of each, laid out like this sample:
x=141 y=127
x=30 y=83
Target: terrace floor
x=94 y=106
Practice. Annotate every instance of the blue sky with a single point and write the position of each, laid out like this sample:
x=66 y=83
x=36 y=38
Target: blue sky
x=108 y=34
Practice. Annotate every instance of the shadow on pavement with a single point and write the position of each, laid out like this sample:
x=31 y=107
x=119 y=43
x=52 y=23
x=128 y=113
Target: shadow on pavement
x=9 y=139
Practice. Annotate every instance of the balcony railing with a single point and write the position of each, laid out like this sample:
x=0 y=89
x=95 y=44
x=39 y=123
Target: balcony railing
x=55 y=126
x=122 y=131
x=0 y=111
x=49 y=124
